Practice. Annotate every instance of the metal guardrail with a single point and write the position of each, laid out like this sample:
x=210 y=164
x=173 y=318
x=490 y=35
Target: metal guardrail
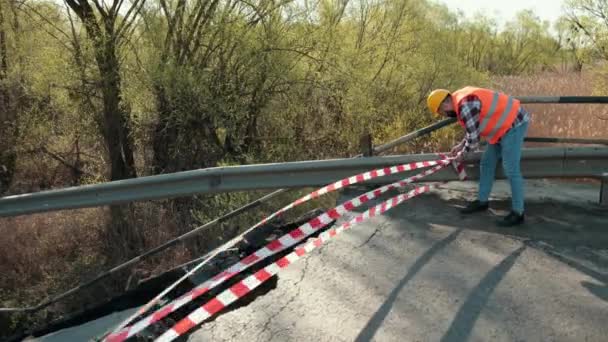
x=563 y=99
x=604 y=190
x=536 y=162
x=416 y=134
x=567 y=140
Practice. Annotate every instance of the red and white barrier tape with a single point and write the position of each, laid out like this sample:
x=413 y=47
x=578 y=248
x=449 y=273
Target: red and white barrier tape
x=457 y=165
x=286 y=240
x=246 y=285
x=119 y=330
x=354 y=180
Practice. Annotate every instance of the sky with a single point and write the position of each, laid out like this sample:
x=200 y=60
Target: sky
x=546 y=9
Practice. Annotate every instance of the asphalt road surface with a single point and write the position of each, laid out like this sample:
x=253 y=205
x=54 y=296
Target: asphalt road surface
x=423 y=272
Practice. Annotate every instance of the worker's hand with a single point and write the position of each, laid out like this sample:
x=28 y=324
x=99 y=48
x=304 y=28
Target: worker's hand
x=455 y=150
x=459 y=157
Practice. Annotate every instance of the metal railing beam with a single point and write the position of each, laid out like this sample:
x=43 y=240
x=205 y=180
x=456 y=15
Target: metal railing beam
x=536 y=162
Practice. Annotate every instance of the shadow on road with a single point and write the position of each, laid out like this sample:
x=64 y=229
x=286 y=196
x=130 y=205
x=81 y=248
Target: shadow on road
x=465 y=318
x=566 y=232
x=375 y=322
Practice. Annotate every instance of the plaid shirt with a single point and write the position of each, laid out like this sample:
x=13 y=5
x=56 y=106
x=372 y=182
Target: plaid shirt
x=469 y=112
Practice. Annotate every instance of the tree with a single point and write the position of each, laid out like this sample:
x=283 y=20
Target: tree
x=524 y=46
x=213 y=71
x=572 y=42
x=7 y=114
x=9 y=95
x=590 y=18
x=108 y=30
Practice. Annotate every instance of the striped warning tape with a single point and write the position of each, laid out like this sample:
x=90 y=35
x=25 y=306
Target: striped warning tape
x=246 y=285
x=118 y=333
x=458 y=166
x=353 y=180
x=288 y=239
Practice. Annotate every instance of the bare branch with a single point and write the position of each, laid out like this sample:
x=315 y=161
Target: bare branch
x=116 y=6
x=163 y=5
x=299 y=52
x=589 y=34
x=56 y=157
x=130 y=17
x=61 y=41
x=197 y=23
x=100 y=8
x=44 y=19
x=75 y=6
x=196 y=33
x=178 y=23
x=75 y=41
x=80 y=62
x=170 y=28
x=130 y=44
x=85 y=12
x=573 y=18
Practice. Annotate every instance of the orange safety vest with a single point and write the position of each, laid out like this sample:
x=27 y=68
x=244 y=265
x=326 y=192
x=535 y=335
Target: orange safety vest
x=498 y=111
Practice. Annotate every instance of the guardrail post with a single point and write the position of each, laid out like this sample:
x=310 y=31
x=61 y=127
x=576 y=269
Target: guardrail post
x=604 y=190
x=365 y=145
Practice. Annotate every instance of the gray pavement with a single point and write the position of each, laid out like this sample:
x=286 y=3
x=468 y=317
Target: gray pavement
x=422 y=272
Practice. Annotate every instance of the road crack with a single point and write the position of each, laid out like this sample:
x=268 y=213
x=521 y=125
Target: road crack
x=376 y=231
x=287 y=304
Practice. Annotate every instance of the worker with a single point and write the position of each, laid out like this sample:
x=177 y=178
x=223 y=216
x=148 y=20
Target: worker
x=503 y=123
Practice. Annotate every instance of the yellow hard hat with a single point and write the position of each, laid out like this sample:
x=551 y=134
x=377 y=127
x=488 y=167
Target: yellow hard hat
x=435 y=98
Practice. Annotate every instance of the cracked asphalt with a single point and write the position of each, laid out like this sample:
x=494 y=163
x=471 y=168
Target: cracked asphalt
x=423 y=272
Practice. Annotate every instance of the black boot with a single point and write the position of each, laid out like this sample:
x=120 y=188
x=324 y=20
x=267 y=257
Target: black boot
x=512 y=219
x=475 y=206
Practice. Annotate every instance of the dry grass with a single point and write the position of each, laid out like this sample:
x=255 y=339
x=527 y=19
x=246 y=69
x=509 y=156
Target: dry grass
x=43 y=255
x=37 y=248
x=560 y=120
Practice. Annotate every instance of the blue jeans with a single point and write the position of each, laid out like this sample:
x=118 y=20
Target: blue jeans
x=509 y=149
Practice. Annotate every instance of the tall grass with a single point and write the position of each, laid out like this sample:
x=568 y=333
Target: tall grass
x=560 y=120
x=43 y=255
